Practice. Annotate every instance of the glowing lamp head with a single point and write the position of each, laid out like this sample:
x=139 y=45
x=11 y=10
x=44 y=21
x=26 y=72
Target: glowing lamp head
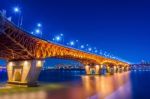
x=96 y=51
x=61 y=34
x=32 y=32
x=39 y=63
x=71 y=43
x=39 y=25
x=26 y=63
x=58 y=38
x=10 y=63
x=37 y=31
x=90 y=49
x=16 y=9
x=82 y=46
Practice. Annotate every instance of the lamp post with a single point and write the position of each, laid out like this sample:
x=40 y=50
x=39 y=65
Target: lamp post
x=20 y=17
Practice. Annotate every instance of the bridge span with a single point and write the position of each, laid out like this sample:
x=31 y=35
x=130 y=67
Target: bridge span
x=25 y=55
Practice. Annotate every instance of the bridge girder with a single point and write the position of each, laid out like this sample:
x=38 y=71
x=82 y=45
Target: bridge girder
x=16 y=44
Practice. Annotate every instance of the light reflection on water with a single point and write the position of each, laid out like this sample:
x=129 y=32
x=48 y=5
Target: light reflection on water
x=102 y=86
x=115 y=86
x=97 y=87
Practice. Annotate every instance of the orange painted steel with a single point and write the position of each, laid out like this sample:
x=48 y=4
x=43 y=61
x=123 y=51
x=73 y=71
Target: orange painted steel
x=17 y=44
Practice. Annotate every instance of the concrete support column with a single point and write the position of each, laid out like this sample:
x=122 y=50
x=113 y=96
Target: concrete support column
x=102 y=69
x=112 y=70
x=121 y=69
x=87 y=69
x=92 y=69
x=24 y=72
x=127 y=68
x=97 y=69
x=107 y=69
x=115 y=69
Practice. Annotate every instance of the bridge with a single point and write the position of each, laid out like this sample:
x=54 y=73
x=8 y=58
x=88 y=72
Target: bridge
x=25 y=55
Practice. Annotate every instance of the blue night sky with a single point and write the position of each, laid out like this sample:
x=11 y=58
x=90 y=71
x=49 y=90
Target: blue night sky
x=120 y=27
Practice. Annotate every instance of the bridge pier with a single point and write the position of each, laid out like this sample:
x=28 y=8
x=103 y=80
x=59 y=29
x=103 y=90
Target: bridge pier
x=92 y=69
x=24 y=72
x=113 y=70
x=126 y=68
x=110 y=70
x=121 y=69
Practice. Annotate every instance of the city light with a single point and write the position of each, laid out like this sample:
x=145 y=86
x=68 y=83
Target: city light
x=37 y=31
x=90 y=49
x=61 y=34
x=71 y=43
x=58 y=38
x=82 y=46
x=96 y=51
x=32 y=32
x=16 y=9
x=39 y=25
x=100 y=52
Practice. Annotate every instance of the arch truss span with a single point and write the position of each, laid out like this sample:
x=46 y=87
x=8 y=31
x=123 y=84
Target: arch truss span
x=17 y=44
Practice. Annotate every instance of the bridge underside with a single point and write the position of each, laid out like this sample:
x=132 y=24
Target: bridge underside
x=11 y=50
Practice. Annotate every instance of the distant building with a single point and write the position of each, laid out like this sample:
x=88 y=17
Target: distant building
x=143 y=65
x=68 y=66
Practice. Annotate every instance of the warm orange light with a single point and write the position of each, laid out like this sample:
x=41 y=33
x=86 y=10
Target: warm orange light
x=39 y=63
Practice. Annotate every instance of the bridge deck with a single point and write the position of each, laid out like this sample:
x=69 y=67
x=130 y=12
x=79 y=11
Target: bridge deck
x=16 y=44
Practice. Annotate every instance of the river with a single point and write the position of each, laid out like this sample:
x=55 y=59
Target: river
x=77 y=85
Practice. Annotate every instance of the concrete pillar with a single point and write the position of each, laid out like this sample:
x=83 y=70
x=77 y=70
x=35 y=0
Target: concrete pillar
x=127 y=68
x=107 y=69
x=24 y=72
x=102 y=69
x=115 y=69
x=87 y=69
x=97 y=69
x=112 y=70
x=121 y=69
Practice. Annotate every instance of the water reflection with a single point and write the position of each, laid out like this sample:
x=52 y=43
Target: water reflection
x=101 y=86
x=97 y=87
x=115 y=86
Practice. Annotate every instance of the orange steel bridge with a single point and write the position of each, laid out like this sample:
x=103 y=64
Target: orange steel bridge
x=17 y=46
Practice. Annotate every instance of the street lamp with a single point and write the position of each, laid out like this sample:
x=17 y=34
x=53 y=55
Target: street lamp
x=32 y=32
x=37 y=31
x=72 y=43
x=16 y=9
x=20 y=18
x=100 y=52
x=90 y=49
x=61 y=34
x=58 y=38
x=82 y=46
x=39 y=25
x=96 y=51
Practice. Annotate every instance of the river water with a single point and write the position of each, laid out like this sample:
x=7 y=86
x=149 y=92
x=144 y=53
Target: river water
x=77 y=85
